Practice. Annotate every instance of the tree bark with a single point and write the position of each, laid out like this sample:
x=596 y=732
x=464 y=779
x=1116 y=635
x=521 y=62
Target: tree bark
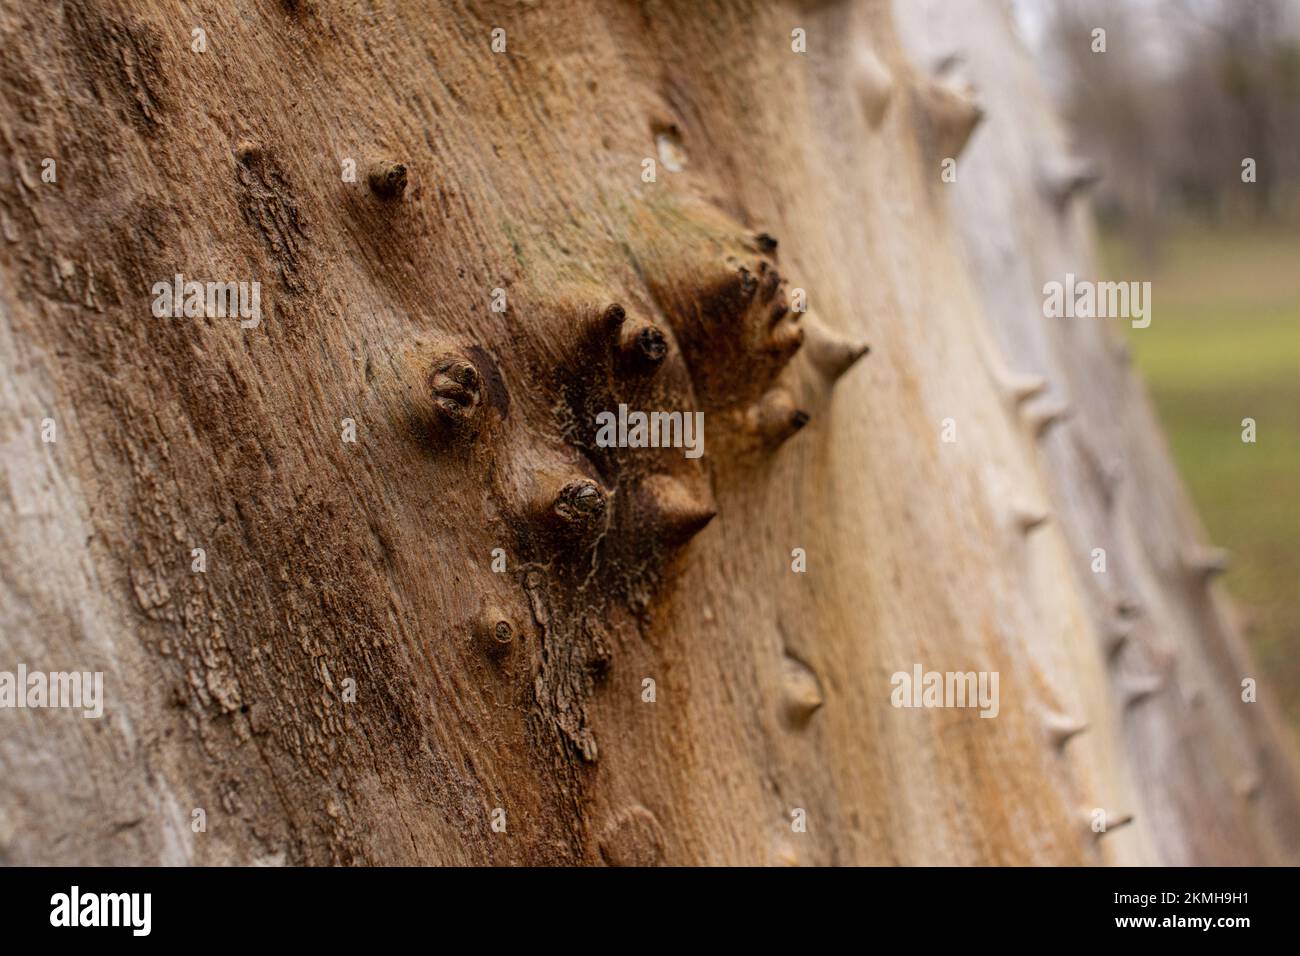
x=432 y=644
x=1209 y=777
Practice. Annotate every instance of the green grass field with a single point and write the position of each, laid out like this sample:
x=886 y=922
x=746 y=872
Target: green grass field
x=1223 y=345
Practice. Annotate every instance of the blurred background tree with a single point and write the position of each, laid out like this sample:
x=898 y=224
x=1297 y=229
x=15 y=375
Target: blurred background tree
x=1185 y=91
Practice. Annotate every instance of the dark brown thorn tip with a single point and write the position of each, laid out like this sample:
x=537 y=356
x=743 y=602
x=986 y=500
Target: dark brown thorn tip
x=580 y=503
x=495 y=634
x=457 y=390
x=387 y=179
x=786 y=339
x=1128 y=607
x=614 y=316
x=643 y=346
x=748 y=283
x=776 y=418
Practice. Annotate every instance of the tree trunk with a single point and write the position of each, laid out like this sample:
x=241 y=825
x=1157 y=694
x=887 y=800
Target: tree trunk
x=474 y=634
x=1209 y=777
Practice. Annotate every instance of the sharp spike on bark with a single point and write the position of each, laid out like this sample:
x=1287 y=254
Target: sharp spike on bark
x=1122 y=820
x=673 y=510
x=948 y=63
x=829 y=353
x=1138 y=689
x=1113 y=822
x=1060 y=728
x=1068 y=178
x=1104 y=475
x=1027 y=517
x=801 y=692
x=952 y=115
x=1021 y=388
x=775 y=417
x=1121 y=629
x=1043 y=419
x=874 y=85
x=1127 y=606
x=1205 y=563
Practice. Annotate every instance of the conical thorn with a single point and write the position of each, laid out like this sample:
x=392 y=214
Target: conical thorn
x=1138 y=689
x=1027 y=517
x=830 y=354
x=952 y=115
x=1042 y=419
x=946 y=64
x=1117 y=635
x=1021 y=388
x=1060 y=728
x=1113 y=822
x=874 y=84
x=1128 y=607
x=1068 y=178
x=1205 y=563
x=675 y=512
x=802 y=692
x=775 y=417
